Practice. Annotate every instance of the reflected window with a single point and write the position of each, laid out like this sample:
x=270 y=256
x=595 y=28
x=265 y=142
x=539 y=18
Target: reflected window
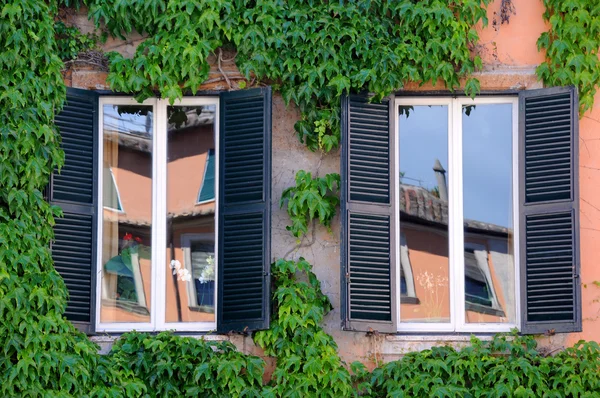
x=207 y=189
x=407 y=282
x=477 y=289
x=111 y=197
x=480 y=295
x=199 y=252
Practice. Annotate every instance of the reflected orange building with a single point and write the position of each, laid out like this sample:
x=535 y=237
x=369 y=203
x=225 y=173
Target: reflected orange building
x=127 y=219
x=425 y=277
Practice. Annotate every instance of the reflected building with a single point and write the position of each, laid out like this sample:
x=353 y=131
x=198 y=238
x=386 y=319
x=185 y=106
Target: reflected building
x=127 y=234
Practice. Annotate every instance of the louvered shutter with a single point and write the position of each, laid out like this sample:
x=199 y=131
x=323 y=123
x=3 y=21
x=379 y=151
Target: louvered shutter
x=74 y=190
x=244 y=210
x=549 y=211
x=368 y=258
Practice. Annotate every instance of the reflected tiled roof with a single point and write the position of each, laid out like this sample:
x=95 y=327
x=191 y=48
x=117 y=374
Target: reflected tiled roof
x=423 y=206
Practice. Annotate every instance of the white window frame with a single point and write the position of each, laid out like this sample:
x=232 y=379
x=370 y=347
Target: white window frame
x=159 y=217
x=455 y=215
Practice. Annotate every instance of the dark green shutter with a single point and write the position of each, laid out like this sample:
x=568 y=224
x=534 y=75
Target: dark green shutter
x=549 y=211
x=368 y=274
x=244 y=210
x=207 y=190
x=74 y=190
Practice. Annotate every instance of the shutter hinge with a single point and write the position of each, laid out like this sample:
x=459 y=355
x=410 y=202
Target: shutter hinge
x=347 y=277
x=265 y=273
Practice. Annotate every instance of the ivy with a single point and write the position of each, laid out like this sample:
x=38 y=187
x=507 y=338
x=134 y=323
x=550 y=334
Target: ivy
x=172 y=366
x=42 y=353
x=71 y=42
x=311 y=198
x=307 y=360
x=312 y=51
x=506 y=366
x=572 y=45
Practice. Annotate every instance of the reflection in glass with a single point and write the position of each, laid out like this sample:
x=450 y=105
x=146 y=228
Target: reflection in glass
x=423 y=201
x=191 y=166
x=487 y=198
x=127 y=213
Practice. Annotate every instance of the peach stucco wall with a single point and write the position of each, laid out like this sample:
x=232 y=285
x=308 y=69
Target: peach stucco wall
x=510 y=55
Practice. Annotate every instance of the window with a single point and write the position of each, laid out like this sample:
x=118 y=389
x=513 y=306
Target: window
x=452 y=151
x=475 y=199
x=160 y=153
x=167 y=212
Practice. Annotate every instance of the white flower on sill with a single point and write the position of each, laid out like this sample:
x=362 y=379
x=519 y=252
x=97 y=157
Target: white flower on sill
x=184 y=275
x=175 y=265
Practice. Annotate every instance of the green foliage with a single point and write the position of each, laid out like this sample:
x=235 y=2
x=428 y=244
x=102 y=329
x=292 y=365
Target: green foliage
x=172 y=365
x=307 y=360
x=313 y=51
x=503 y=367
x=320 y=50
x=572 y=45
x=311 y=198
x=42 y=353
x=70 y=41
x=182 y=34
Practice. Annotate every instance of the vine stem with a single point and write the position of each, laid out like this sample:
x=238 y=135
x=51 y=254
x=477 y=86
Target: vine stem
x=219 y=60
x=301 y=245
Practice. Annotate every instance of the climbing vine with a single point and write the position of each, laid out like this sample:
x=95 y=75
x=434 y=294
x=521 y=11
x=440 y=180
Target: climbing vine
x=572 y=45
x=307 y=360
x=312 y=51
x=311 y=198
x=71 y=42
x=42 y=353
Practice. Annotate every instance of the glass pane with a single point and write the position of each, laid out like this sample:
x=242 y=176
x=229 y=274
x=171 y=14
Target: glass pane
x=488 y=212
x=424 y=273
x=191 y=167
x=127 y=213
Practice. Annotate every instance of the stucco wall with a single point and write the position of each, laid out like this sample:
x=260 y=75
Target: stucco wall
x=510 y=56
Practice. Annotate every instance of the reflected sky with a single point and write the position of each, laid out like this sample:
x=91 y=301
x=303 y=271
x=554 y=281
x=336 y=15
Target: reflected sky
x=487 y=164
x=487 y=156
x=423 y=139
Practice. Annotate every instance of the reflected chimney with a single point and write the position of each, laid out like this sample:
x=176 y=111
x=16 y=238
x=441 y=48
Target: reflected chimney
x=440 y=176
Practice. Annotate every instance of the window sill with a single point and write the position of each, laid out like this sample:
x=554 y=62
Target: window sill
x=396 y=346
x=437 y=338
x=106 y=340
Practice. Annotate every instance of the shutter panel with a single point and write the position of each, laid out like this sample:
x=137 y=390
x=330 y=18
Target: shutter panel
x=74 y=191
x=549 y=211
x=244 y=210
x=368 y=231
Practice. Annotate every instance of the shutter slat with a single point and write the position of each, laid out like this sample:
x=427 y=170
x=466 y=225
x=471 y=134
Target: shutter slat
x=378 y=281
x=367 y=207
x=369 y=150
x=74 y=245
x=244 y=210
x=549 y=210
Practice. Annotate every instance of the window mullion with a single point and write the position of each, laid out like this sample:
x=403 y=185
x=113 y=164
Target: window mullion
x=456 y=220
x=159 y=214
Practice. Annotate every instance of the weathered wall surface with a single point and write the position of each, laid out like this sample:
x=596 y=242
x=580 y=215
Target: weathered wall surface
x=510 y=56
